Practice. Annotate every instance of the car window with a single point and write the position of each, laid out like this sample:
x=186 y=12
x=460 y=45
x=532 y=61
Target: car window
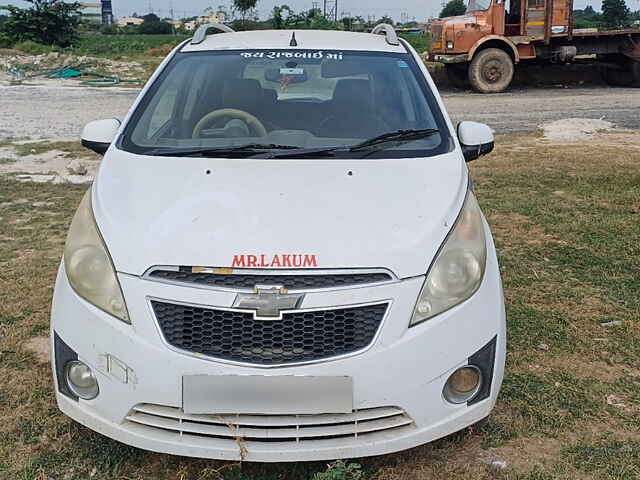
x=164 y=109
x=302 y=99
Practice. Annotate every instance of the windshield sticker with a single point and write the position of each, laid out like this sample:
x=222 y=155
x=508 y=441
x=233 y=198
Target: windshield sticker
x=403 y=64
x=274 y=261
x=292 y=71
x=318 y=55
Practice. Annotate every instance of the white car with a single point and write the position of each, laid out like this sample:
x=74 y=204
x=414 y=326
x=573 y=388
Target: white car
x=281 y=258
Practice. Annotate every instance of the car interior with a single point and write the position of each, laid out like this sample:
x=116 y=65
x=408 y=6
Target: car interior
x=236 y=98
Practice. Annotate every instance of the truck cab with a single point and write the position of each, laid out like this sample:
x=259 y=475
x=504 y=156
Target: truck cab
x=482 y=47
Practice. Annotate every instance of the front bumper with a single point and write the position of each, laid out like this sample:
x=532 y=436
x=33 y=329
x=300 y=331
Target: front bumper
x=404 y=369
x=449 y=59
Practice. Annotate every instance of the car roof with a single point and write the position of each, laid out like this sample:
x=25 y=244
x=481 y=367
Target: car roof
x=306 y=39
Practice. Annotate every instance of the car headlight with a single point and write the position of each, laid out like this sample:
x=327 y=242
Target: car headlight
x=458 y=269
x=88 y=264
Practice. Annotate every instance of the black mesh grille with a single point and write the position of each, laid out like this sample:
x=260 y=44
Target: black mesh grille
x=290 y=282
x=298 y=337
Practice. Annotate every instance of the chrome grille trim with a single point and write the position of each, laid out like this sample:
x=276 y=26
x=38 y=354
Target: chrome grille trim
x=269 y=428
x=379 y=276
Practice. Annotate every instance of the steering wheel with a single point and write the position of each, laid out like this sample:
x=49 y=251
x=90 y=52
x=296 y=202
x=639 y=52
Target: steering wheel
x=252 y=122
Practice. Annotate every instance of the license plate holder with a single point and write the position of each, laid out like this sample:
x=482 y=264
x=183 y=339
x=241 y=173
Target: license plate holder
x=269 y=395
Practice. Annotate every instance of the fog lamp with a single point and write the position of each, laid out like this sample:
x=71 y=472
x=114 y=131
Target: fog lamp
x=463 y=384
x=81 y=380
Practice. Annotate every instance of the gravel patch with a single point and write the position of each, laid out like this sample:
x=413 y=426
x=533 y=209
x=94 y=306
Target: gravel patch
x=574 y=129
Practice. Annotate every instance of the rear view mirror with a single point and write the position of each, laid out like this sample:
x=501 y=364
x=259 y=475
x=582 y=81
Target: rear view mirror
x=99 y=135
x=476 y=139
x=289 y=75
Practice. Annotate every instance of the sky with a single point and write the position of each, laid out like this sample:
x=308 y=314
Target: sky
x=420 y=9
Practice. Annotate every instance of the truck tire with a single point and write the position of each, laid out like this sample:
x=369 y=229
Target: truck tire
x=458 y=75
x=491 y=71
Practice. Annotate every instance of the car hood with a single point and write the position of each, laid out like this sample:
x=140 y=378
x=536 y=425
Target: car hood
x=391 y=214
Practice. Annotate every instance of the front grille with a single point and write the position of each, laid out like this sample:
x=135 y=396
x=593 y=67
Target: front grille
x=271 y=428
x=299 y=337
x=249 y=281
x=436 y=32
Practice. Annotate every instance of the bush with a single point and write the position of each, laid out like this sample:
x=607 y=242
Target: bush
x=48 y=22
x=33 y=48
x=161 y=51
x=111 y=45
x=341 y=471
x=5 y=41
x=420 y=42
x=108 y=29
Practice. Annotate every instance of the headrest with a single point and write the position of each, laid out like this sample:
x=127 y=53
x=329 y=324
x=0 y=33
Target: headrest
x=243 y=94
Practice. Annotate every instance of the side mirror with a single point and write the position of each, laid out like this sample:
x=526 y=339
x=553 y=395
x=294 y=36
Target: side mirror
x=99 y=135
x=476 y=139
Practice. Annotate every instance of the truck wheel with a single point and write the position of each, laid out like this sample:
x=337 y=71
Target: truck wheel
x=458 y=75
x=491 y=71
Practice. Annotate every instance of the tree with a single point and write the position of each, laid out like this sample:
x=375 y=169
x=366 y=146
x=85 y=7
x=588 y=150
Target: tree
x=453 y=8
x=152 y=25
x=587 y=18
x=244 y=6
x=50 y=22
x=386 y=19
x=615 y=13
x=151 y=17
x=280 y=15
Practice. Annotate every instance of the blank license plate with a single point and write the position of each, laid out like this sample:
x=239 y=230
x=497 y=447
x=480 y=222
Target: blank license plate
x=270 y=395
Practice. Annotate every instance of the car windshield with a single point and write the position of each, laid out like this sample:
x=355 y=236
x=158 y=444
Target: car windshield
x=277 y=100
x=478 y=5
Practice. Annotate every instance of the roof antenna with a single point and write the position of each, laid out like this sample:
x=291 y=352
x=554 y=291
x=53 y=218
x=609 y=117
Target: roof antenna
x=294 y=42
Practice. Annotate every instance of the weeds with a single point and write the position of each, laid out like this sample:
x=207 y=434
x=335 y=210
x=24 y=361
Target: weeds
x=341 y=471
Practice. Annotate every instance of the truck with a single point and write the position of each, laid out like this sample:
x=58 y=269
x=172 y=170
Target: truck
x=482 y=48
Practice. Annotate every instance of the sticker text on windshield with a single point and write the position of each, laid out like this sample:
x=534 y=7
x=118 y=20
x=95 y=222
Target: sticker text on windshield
x=317 y=55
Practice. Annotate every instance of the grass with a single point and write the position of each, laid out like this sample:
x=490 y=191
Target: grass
x=71 y=149
x=112 y=46
x=126 y=45
x=565 y=220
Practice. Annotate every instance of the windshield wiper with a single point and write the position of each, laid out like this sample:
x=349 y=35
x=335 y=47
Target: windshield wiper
x=397 y=137
x=250 y=149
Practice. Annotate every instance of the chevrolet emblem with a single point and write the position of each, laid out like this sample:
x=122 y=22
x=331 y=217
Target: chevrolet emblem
x=268 y=302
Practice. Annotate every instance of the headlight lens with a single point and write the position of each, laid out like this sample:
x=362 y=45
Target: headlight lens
x=459 y=267
x=88 y=264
